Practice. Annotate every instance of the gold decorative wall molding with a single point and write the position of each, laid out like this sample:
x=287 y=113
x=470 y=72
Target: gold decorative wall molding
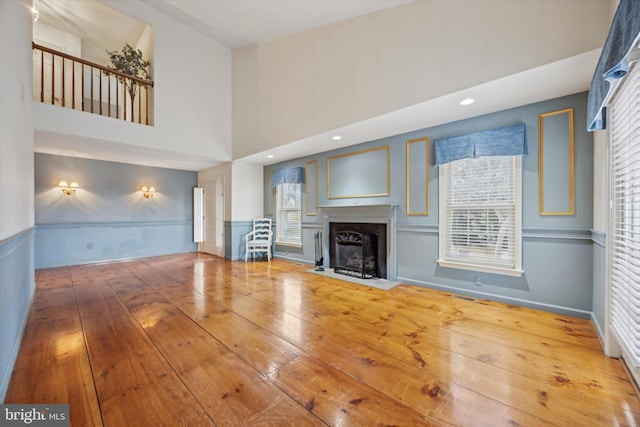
x=416 y=144
x=552 y=127
x=311 y=171
x=362 y=173
x=268 y=192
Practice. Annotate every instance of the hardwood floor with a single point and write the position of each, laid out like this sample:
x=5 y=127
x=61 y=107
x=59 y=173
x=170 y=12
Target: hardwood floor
x=194 y=340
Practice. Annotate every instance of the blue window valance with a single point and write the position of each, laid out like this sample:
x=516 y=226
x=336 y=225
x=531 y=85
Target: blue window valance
x=506 y=141
x=288 y=176
x=613 y=63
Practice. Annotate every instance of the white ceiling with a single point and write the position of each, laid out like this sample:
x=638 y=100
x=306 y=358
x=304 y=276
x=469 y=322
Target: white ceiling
x=94 y=23
x=236 y=23
x=233 y=23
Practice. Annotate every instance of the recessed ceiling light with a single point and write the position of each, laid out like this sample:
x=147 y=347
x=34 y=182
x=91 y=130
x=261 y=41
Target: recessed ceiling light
x=336 y=137
x=467 y=101
x=270 y=156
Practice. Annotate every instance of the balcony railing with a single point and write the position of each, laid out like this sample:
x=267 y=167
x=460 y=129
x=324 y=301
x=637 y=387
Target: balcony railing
x=70 y=82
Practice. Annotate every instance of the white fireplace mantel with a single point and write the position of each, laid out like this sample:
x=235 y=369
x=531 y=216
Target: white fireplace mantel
x=356 y=213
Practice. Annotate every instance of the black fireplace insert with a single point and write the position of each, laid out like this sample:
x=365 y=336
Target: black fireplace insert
x=356 y=254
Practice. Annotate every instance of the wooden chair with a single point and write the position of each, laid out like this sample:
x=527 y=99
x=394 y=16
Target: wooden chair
x=259 y=240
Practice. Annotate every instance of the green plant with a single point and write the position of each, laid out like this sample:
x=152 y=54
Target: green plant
x=129 y=61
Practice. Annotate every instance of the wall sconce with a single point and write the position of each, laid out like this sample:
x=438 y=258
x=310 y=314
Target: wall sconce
x=148 y=193
x=68 y=189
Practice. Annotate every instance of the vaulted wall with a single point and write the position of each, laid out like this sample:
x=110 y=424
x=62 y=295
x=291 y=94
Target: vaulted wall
x=16 y=181
x=309 y=83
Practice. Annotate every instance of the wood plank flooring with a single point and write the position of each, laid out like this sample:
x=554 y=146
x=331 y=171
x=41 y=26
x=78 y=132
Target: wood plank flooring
x=195 y=340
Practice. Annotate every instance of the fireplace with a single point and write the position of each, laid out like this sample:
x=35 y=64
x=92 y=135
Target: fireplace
x=356 y=254
x=379 y=220
x=358 y=249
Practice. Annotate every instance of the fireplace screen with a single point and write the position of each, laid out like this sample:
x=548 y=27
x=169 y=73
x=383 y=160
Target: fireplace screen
x=355 y=254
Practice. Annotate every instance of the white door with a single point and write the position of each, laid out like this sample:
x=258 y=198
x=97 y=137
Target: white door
x=213 y=218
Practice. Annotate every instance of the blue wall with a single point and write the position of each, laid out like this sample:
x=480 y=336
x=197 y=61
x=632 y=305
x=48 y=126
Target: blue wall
x=17 y=285
x=234 y=233
x=557 y=250
x=108 y=219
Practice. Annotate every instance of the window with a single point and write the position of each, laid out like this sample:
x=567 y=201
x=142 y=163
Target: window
x=624 y=222
x=288 y=214
x=480 y=214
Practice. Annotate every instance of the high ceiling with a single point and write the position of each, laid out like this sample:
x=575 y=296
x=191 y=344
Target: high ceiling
x=93 y=22
x=233 y=23
x=237 y=23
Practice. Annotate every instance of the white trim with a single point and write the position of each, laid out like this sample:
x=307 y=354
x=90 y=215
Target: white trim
x=279 y=224
x=374 y=214
x=610 y=345
x=518 y=225
x=442 y=239
x=289 y=244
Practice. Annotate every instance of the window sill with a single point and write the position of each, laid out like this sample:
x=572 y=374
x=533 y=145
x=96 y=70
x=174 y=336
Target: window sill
x=290 y=244
x=481 y=268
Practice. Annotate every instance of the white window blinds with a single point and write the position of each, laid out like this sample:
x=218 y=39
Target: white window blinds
x=624 y=234
x=480 y=211
x=288 y=214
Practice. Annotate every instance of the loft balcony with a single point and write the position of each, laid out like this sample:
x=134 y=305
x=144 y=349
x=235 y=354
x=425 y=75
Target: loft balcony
x=74 y=83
